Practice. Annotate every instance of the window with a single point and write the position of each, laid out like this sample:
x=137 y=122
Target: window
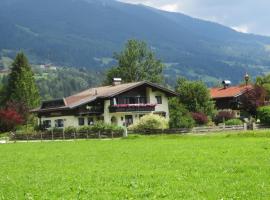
x=81 y=121
x=159 y=99
x=59 y=123
x=47 y=123
x=90 y=121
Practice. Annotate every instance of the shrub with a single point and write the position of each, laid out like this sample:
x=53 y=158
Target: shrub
x=70 y=130
x=9 y=119
x=200 y=118
x=179 y=115
x=264 y=114
x=150 y=121
x=84 y=129
x=224 y=116
x=99 y=126
x=231 y=122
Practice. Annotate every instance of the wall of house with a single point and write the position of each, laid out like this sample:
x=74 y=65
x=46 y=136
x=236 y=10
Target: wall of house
x=151 y=98
x=69 y=120
x=164 y=107
x=119 y=118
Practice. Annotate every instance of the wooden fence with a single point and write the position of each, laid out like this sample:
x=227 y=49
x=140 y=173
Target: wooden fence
x=201 y=129
x=61 y=135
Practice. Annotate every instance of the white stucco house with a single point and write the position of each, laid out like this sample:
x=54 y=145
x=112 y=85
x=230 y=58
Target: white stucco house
x=120 y=104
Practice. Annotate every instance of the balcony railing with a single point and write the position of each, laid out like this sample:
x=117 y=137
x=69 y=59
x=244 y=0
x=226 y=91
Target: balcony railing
x=132 y=107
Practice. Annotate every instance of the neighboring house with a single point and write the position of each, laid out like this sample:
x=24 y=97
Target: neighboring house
x=229 y=97
x=120 y=104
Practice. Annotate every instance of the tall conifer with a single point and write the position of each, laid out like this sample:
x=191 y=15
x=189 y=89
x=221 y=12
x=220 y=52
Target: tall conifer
x=21 y=83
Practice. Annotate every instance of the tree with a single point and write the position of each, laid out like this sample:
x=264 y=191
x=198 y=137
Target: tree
x=21 y=85
x=136 y=63
x=264 y=81
x=195 y=96
x=253 y=99
x=179 y=115
x=9 y=119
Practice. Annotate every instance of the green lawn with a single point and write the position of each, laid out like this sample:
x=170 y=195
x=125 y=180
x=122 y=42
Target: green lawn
x=153 y=167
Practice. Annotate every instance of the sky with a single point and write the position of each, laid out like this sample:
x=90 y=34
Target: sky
x=248 y=16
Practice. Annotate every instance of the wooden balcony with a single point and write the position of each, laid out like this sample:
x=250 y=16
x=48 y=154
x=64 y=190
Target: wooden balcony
x=132 y=108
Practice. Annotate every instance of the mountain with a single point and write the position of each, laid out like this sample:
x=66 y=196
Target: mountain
x=86 y=33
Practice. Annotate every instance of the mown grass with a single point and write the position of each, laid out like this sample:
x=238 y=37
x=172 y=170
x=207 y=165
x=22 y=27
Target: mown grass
x=226 y=166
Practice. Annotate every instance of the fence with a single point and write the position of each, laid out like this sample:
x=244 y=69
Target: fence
x=61 y=135
x=201 y=129
x=260 y=126
x=52 y=135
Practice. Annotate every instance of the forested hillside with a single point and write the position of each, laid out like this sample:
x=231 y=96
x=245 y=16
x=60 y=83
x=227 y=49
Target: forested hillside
x=62 y=81
x=86 y=33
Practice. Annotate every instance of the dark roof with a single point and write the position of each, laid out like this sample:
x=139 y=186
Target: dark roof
x=103 y=92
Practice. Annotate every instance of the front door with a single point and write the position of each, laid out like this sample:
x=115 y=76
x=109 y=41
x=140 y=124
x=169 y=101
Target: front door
x=128 y=120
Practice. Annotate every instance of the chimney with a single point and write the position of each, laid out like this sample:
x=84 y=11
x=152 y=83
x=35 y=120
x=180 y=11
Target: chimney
x=246 y=78
x=116 y=81
x=226 y=83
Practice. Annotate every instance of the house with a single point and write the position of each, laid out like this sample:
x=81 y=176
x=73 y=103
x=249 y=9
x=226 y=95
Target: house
x=228 y=97
x=120 y=104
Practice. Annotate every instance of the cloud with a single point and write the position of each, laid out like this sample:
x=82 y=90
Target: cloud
x=242 y=15
x=241 y=28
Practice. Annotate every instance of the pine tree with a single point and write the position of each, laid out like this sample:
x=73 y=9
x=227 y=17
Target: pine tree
x=21 y=83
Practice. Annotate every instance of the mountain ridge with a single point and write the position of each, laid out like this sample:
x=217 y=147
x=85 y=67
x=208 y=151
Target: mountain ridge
x=85 y=33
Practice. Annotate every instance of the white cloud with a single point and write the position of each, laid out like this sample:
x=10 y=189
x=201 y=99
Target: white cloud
x=170 y=7
x=241 y=28
x=242 y=15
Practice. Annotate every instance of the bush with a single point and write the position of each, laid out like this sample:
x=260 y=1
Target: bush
x=231 y=122
x=224 y=116
x=70 y=130
x=264 y=114
x=9 y=120
x=100 y=126
x=84 y=129
x=179 y=115
x=150 y=121
x=200 y=118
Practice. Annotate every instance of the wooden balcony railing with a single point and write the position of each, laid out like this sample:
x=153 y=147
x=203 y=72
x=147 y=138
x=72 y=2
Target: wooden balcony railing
x=132 y=107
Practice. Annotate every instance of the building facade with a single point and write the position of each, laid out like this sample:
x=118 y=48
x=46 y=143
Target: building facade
x=229 y=98
x=119 y=104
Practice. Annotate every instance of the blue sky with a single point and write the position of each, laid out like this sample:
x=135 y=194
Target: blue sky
x=249 y=16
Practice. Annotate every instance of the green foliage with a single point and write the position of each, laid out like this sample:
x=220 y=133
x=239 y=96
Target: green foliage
x=70 y=129
x=64 y=81
x=84 y=128
x=21 y=85
x=195 y=96
x=231 y=122
x=150 y=121
x=264 y=114
x=264 y=81
x=179 y=115
x=136 y=63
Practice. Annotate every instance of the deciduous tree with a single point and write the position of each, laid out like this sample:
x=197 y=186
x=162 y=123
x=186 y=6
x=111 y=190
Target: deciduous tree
x=195 y=96
x=136 y=63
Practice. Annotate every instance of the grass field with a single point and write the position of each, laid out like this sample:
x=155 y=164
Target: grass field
x=153 y=167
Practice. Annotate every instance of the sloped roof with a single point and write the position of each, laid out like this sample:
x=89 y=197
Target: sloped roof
x=92 y=94
x=232 y=91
